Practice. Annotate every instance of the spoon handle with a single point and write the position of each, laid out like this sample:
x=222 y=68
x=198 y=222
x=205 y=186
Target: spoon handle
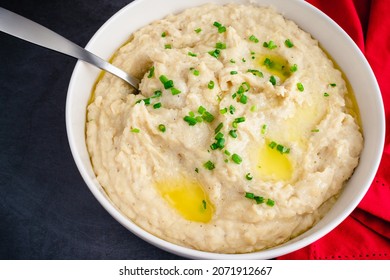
x=25 y=29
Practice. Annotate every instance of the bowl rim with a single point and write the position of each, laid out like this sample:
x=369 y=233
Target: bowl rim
x=290 y=246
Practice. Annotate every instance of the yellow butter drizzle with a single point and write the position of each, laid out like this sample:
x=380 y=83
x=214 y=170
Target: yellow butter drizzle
x=273 y=165
x=188 y=198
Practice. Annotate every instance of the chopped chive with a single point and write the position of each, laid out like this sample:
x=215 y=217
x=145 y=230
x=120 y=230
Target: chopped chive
x=240 y=120
x=282 y=149
x=236 y=158
x=246 y=86
x=161 y=127
x=253 y=108
x=164 y=34
x=326 y=94
x=220 y=45
x=223 y=111
x=300 y=87
x=253 y=39
x=248 y=176
x=259 y=199
x=208 y=117
x=243 y=60
x=272 y=80
x=198 y=30
x=243 y=99
x=175 y=91
x=270 y=45
x=192 y=54
x=210 y=85
x=233 y=72
x=255 y=72
x=315 y=130
x=233 y=133
x=270 y=202
x=196 y=72
x=214 y=53
x=201 y=110
x=197 y=170
x=263 y=129
x=218 y=136
x=204 y=204
x=272 y=145
x=220 y=27
x=232 y=109
x=226 y=152
x=191 y=114
x=157 y=93
x=168 y=46
x=332 y=84
x=135 y=130
x=288 y=43
x=199 y=119
x=294 y=68
x=166 y=82
x=218 y=128
x=249 y=195
x=209 y=165
x=232 y=61
x=157 y=105
x=268 y=63
x=151 y=72
x=190 y=120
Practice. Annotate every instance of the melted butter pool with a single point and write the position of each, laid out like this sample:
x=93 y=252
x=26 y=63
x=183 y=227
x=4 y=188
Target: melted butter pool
x=273 y=165
x=275 y=65
x=188 y=198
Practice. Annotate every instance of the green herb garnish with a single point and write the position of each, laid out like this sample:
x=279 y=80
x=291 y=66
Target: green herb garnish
x=233 y=133
x=209 y=165
x=190 y=120
x=288 y=43
x=210 y=85
x=270 y=45
x=166 y=82
x=168 y=46
x=326 y=94
x=218 y=128
x=248 y=176
x=253 y=39
x=198 y=30
x=151 y=72
x=272 y=80
x=215 y=53
x=220 y=27
x=255 y=72
x=161 y=127
x=164 y=34
x=236 y=158
x=220 y=45
x=157 y=105
x=192 y=54
x=300 y=87
x=135 y=130
x=233 y=72
x=175 y=91
x=294 y=68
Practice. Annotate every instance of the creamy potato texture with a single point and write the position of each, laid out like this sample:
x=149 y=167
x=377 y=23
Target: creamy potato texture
x=242 y=136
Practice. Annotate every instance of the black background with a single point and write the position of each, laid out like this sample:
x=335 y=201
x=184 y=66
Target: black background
x=46 y=209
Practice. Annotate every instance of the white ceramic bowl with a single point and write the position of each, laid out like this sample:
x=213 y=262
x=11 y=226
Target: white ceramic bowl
x=332 y=38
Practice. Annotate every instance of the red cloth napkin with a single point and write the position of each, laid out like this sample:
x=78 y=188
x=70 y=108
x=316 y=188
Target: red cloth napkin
x=365 y=234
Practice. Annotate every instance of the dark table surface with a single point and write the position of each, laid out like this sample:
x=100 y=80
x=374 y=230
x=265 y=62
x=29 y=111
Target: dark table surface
x=46 y=209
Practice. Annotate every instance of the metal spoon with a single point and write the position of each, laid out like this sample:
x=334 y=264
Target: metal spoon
x=35 y=33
